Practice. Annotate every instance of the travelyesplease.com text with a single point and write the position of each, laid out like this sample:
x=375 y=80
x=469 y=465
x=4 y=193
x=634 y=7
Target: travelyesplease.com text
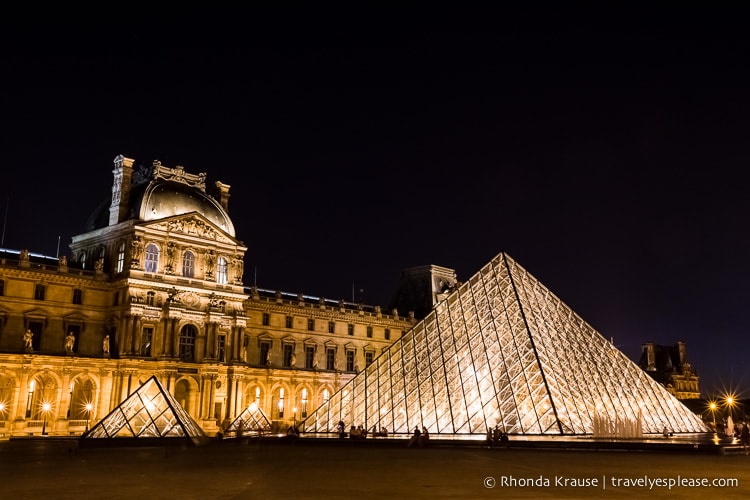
x=604 y=482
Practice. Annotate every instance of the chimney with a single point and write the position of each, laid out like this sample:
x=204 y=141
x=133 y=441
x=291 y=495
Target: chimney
x=123 y=173
x=650 y=352
x=223 y=194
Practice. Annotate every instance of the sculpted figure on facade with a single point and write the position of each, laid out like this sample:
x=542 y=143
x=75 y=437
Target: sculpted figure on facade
x=210 y=260
x=239 y=269
x=136 y=251
x=70 y=342
x=28 y=341
x=171 y=251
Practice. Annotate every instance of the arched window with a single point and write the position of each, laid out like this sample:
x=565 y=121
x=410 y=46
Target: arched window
x=187 y=342
x=41 y=399
x=304 y=403
x=281 y=403
x=188 y=264
x=326 y=395
x=83 y=260
x=184 y=395
x=257 y=396
x=152 y=258
x=81 y=399
x=221 y=271
x=120 y=258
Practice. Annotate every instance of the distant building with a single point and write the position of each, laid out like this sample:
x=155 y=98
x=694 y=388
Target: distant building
x=669 y=366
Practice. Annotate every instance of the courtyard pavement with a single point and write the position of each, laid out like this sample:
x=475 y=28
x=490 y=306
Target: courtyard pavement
x=302 y=469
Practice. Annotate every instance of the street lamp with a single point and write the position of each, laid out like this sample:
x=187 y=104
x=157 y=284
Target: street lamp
x=89 y=407
x=712 y=407
x=46 y=407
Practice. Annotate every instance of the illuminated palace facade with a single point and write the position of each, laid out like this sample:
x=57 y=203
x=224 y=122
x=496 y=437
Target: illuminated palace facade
x=154 y=287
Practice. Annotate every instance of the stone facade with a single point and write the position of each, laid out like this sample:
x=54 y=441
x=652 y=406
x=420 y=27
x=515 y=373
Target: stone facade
x=155 y=287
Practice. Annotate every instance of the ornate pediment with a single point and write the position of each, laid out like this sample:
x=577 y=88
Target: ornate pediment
x=178 y=174
x=192 y=224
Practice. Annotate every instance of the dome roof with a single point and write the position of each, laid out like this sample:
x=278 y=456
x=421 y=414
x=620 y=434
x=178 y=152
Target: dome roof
x=158 y=198
x=163 y=199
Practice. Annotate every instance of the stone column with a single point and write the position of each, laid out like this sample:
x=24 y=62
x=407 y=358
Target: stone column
x=137 y=324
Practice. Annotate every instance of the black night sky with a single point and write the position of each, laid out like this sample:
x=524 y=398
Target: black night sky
x=604 y=149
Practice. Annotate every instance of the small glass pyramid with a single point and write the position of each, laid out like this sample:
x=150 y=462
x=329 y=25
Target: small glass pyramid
x=503 y=350
x=150 y=412
x=252 y=421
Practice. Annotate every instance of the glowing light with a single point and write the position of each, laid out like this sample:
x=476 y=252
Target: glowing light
x=253 y=406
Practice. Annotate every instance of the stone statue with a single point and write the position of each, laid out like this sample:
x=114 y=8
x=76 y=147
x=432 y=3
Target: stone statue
x=239 y=269
x=63 y=261
x=210 y=262
x=293 y=360
x=28 y=340
x=24 y=255
x=70 y=342
x=136 y=250
x=105 y=345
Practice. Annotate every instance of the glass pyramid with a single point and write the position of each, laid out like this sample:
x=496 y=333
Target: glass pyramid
x=150 y=412
x=503 y=350
x=251 y=421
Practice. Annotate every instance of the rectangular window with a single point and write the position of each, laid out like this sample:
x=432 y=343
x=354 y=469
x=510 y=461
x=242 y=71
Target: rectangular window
x=387 y=334
x=78 y=296
x=220 y=347
x=150 y=298
x=146 y=335
x=120 y=265
x=76 y=331
x=331 y=327
x=36 y=329
x=369 y=332
x=289 y=321
x=369 y=355
x=349 y=360
x=350 y=329
x=288 y=351
x=266 y=319
x=309 y=357
x=310 y=324
x=265 y=354
x=39 y=292
x=330 y=358
x=2 y=287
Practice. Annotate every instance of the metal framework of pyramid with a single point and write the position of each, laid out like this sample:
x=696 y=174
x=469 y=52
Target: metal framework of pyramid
x=252 y=421
x=150 y=412
x=503 y=350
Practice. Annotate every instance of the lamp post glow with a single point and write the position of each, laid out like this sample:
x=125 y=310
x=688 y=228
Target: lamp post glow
x=730 y=404
x=46 y=407
x=89 y=406
x=712 y=407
